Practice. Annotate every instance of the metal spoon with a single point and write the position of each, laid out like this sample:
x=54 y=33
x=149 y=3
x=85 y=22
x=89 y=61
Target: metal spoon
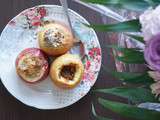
x=78 y=42
x=65 y=9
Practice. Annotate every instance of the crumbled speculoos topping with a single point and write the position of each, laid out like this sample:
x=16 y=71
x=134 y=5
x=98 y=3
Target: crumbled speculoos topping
x=31 y=66
x=53 y=37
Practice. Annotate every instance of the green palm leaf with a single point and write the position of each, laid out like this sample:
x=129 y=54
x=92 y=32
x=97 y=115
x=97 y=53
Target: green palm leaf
x=135 y=5
x=136 y=95
x=129 y=55
x=130 y=111
x=133 y=78
x=144 y=79
x=153 y=3
x=136 y=37
x=96 y=116
x=127 y=26
x=135 y=58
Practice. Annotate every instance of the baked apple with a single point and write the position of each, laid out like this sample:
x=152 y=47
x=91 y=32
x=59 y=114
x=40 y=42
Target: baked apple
x=67 y=71
x=55 y=39
x=32 y=65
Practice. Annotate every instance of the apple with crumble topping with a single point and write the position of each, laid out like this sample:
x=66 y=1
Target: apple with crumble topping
x=32 y=65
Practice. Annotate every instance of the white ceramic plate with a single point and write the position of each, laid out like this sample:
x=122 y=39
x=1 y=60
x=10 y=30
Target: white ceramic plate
x=21 y=33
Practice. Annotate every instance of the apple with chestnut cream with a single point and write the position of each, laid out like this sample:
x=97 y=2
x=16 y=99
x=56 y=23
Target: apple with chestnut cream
x=67 y=71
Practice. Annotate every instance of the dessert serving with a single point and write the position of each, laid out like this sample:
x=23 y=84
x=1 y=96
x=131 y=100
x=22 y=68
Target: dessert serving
x=55 y=39
x=29 y=43
x=32 y=65
x=67 y=71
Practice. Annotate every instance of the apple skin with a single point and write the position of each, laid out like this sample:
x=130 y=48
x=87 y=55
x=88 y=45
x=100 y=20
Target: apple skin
x=38 y=53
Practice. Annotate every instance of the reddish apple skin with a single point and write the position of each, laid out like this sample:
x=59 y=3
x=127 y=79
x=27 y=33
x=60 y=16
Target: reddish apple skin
x=38 y=53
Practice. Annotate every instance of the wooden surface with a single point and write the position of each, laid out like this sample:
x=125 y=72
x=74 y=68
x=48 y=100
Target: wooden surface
x=12 y=109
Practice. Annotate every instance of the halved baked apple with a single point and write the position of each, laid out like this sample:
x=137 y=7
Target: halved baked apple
x=32 y=65
x=67 y=71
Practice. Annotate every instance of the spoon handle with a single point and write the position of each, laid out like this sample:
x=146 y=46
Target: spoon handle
x=65 y=9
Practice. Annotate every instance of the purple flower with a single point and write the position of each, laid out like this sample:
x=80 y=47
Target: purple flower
x=152 y=53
